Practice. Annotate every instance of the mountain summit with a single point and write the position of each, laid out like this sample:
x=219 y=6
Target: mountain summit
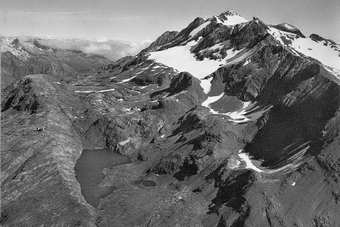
x=227 y=122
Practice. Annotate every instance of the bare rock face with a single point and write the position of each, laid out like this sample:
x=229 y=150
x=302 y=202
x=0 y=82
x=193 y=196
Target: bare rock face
x=289 y=28
x=249 y=35
x=22 y=98
x=253 y=143
x=166 y=37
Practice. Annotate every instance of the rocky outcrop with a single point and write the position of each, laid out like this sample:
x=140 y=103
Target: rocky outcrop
x=183 y=83
x=289 y=28
x=326 y=42
x=250 y=34
x=165 y=38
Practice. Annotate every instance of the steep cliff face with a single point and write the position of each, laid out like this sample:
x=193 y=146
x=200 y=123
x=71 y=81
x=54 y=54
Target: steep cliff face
x=225 y=123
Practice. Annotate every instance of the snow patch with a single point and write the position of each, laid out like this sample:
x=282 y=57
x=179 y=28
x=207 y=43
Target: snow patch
x=246 y=62
x=211 y=100
x=199 y=28
x=124 y=142
x=106 y=90
x=216 y=46
x=93 y=91
x=289 y=27
x=249 y=164
x=278 y=34
x=231 y=53
x=206 y=84
x=231 y=20
x=233 y=163
x=85 y=92
x=238 y=116
x=326 y=55
x=181 y=59
x=126 y=80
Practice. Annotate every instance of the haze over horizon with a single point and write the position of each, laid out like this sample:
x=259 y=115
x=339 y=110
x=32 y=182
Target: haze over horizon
x=137 y=21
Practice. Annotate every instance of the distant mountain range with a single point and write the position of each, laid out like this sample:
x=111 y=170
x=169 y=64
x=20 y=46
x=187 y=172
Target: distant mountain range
x=111 y=49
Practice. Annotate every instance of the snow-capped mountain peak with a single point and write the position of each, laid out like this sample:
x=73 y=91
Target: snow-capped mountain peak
x=206 y=45
x=13 y=46
x=324 y=50
x=230 y=18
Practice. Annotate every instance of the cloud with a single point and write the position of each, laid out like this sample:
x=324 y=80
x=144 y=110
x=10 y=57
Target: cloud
x=97 y=47
x=73 y=24
x=112 y=49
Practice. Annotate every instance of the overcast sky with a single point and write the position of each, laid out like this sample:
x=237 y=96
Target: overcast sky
x=141 y=20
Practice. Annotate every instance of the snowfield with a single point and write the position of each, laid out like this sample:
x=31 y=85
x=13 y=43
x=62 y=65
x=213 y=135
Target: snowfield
x=232 y=20
x=317 y=50
x=325 y=54
x=181 y=59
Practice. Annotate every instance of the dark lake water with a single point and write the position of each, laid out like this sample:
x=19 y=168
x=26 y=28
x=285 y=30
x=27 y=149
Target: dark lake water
x=89 y=172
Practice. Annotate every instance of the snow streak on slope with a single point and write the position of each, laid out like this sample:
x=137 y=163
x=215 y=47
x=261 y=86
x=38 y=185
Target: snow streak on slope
x=93 y=91
x=251 y=164
x=126 y=80
x=199 y=28
x=211 y=100
x=278 y=35
x=238 y=116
